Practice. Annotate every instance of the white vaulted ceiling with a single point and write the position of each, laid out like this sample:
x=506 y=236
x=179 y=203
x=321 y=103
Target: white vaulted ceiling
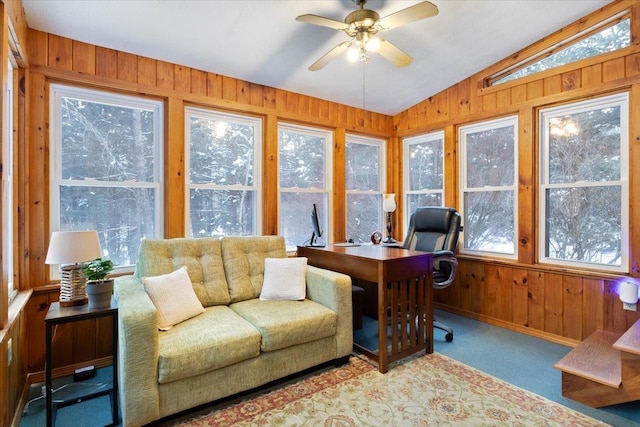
x=260 y=41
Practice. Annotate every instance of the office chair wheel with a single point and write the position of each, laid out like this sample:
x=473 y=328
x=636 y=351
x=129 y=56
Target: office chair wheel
x=448 y=337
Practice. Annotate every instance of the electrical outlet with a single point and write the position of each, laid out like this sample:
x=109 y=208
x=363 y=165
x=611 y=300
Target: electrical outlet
x=9 y=351
x=630 y=307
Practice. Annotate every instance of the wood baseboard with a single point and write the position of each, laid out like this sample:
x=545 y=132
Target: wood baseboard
x=509 y=326
x=38 y=377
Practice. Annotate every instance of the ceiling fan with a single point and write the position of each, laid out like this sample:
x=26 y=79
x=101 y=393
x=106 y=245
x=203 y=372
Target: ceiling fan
x=362 y=25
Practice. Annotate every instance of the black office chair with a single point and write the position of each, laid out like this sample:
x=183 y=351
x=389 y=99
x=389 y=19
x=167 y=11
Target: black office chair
x=435 y=229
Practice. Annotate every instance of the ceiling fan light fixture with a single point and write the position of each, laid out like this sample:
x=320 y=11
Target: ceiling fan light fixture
x=373 y=44
x=353 y=54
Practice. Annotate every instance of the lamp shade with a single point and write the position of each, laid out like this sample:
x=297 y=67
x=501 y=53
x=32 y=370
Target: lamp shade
x=389 y=202
x=628 y=292
x=70 y=247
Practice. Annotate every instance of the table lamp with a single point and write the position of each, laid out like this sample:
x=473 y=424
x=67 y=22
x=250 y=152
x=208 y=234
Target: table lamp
x=389 y=206
x=69 y=249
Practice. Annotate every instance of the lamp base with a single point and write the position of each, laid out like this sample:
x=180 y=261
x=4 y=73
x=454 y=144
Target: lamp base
x=74 y=302
x=73 y=286
x=389 y=240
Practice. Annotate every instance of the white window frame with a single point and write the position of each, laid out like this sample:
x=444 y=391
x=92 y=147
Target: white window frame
x=254 y=122
x=406 y=173
x=382 y=167
x=621 y=100
x=514 y=71
x=57 y=91
x=463 y=131
x=326 y=222
x=8 y=196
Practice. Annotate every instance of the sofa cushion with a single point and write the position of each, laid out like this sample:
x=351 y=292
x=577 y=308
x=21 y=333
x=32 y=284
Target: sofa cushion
x=203 y=260
x=286 y=323
x=174 y=298
x=243 y=259
x=284 y=279
x=218 y=337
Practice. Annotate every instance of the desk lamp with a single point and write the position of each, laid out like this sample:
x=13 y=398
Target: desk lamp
x=69 y=249
x=389 y=206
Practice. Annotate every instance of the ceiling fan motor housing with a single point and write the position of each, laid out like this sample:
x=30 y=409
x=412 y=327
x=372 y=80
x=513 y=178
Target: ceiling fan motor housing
x=362 y=18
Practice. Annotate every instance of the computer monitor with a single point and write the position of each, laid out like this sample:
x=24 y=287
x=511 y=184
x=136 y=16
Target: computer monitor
x=315 y=224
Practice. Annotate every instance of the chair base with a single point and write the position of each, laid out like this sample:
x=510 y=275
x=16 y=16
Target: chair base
x=449 y=336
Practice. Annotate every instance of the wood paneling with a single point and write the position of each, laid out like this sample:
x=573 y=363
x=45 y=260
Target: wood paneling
x=13 y=373
x=545 y=299
x=57 y=59
x=634 y=179
x=84 y=58
x=559 y=304
x=339 y=161
x=174 y=176
x=565 y=305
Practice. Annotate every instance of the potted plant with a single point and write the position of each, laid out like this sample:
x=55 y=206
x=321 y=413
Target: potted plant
x=99 y=288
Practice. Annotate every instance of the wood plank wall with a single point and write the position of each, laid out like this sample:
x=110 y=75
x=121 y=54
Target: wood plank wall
x=13 y=372
x=555 y=303
x=560 y=304
x=56 y=59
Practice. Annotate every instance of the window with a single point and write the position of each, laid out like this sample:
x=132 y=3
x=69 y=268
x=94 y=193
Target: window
x=423 y=171
x=223 y=160
x=584 y=195
x=305 y=166
x=615 y=35
x=8 y=204
x=488 y=178
x=365 y=166
x=106 y=168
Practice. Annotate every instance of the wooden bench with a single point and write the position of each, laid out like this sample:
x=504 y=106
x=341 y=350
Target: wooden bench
x=604 y=369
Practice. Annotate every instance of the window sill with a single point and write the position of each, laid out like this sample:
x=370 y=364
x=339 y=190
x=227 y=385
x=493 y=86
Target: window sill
x=16 y=306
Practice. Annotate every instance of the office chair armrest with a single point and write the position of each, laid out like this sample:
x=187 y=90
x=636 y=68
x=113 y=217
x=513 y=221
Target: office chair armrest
x=448 y=258
x=441 y=253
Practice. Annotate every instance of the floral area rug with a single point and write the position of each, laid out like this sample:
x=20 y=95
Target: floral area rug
x=424 y=390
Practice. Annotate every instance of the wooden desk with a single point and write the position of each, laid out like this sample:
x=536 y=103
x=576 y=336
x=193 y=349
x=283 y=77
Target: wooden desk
x=405 y=293
x=58 y=315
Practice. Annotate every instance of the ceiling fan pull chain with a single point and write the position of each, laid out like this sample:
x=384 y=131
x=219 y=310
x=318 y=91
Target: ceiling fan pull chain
x=364 y=103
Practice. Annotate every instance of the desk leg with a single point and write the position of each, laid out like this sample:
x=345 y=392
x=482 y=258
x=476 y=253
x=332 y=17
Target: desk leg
x=47 y=375
x=383 y=362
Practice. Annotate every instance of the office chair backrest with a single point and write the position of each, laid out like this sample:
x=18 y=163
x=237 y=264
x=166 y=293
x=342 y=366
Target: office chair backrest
x=433 y=228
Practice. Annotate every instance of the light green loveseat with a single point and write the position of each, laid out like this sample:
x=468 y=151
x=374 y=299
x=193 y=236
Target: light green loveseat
x=238 y=343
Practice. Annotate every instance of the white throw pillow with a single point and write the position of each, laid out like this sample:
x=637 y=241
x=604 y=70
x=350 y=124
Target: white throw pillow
x=174 y=298
x=284 y=279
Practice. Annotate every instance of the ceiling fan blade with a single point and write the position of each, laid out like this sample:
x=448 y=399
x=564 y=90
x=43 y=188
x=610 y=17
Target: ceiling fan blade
x=322 y=21
x=320 y=63
x=393 y=54
x=414 y=13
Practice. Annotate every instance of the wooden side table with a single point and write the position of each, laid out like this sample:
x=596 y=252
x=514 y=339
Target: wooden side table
x=57 y=315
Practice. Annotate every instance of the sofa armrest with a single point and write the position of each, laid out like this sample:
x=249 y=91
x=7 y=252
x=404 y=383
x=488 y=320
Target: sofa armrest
x=137 y=352
x=333 y=290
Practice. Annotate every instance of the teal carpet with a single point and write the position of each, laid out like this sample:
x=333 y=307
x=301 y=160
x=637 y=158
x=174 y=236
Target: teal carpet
x=94 y=412
x=519 y=359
